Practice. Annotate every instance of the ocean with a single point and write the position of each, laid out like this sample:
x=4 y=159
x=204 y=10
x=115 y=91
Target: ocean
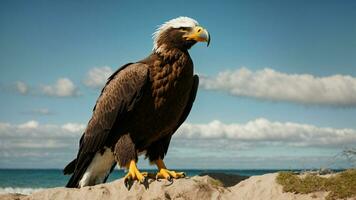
x=26 y=181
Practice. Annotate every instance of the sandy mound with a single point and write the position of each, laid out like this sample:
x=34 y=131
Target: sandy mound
x=265 y=187
x=198 y=187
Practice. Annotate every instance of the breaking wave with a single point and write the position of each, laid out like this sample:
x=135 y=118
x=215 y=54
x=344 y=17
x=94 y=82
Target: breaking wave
x=19 y=190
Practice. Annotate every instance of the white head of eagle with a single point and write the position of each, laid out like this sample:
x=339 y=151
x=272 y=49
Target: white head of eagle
x=181 y=33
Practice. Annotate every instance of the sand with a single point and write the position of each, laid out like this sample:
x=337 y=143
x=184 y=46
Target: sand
x=262 y=187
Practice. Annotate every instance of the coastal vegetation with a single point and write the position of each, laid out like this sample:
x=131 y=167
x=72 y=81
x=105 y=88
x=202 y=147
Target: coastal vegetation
x=340 y=186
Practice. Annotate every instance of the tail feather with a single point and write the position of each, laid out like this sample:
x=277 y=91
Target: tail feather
x=78 y=170
x=69 y=169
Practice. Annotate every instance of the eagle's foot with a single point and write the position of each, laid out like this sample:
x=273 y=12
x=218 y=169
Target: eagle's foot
x=164 y=173
x=167 y=174
x=134 y=174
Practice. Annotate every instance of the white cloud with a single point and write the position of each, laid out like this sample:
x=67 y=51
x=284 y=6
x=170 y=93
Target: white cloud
x=32 y=141
x=264 y=131
x=63 y=87
x=97 y=76
x=33 y=130
x=33 y=144
x=31 y=136
x=73 y=127
x=260 y=131
x=336 y=90
x=40 y=111
x=4 y=127
x=29 y=125
x=21 y=87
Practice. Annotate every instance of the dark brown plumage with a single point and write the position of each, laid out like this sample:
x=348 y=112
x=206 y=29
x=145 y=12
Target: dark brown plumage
x=140 y=108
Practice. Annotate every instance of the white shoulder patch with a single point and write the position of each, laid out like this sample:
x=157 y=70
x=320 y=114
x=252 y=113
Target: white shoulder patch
x=173 y=23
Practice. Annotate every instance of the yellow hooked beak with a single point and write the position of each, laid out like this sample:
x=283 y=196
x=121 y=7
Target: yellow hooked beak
x=198 y=34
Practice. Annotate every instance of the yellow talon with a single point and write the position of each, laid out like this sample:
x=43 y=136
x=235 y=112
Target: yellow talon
x=165 y=173
x=134 y=173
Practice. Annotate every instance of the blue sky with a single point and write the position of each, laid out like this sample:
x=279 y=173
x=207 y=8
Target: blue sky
x=288 y=62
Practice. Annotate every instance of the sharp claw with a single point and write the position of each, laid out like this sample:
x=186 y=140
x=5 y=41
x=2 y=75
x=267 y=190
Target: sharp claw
x=134 y=174
x=170 y=179
x=169 y=175
x=126 y=182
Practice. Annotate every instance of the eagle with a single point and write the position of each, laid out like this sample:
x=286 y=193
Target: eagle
x=139 y=109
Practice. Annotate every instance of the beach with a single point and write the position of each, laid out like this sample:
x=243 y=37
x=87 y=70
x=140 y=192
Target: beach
x=259 y=187
x=27 y=181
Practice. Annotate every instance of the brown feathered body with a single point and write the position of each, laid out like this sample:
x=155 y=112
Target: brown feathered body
x=171 y=80
x=139 y=109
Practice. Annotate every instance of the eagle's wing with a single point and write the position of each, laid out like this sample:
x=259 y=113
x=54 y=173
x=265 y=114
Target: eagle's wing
x=122 y=91
x=159 y=148
x=188 y=107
